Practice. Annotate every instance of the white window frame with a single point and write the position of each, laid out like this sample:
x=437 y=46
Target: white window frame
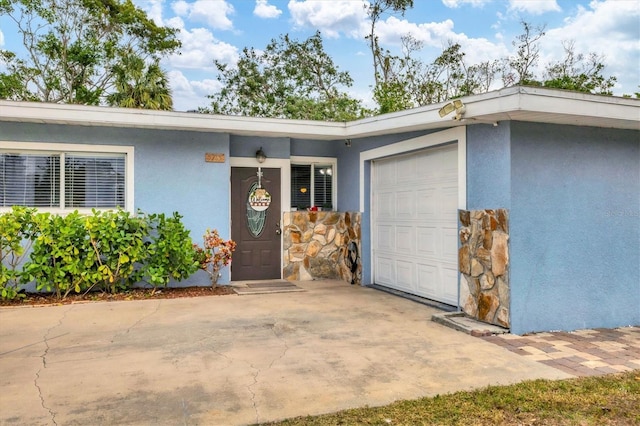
x=313 y=161
x=63 y=148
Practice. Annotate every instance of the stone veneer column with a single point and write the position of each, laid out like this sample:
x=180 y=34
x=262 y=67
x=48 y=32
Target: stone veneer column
x=315 y=245
x=483 y=261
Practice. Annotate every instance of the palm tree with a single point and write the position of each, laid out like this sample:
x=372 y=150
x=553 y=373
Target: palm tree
x=139 y=85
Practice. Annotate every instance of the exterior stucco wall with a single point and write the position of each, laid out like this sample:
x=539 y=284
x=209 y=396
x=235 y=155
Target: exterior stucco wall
x=247 y=146
x=575 y=227
x=488 y=166
x=170 y=171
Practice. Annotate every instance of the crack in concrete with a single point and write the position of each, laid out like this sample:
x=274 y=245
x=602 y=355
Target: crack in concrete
x=185 y=413
x=258 y=371
x=136 y=323
x=253 y=394
x=45 y=340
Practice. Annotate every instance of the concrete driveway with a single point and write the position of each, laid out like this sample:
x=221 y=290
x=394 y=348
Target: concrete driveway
x=236 y=359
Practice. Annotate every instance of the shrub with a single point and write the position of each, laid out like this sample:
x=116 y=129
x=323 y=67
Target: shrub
x=62 y=258
x=215 y=255
x=117 y=240
x=16 y=238
x=170 y=252
x=109 y=250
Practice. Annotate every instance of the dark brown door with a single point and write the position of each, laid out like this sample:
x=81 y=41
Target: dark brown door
x=257 y=234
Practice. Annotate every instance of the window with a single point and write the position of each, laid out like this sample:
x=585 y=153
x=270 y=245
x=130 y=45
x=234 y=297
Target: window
x=313 y=184
x=65 y=180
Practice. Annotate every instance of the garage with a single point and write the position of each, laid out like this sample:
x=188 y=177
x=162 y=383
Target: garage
x=414 y=219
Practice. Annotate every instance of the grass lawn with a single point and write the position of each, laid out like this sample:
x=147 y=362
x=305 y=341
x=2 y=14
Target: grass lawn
x=605 y=400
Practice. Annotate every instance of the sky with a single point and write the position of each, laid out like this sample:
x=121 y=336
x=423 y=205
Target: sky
x=219 y=30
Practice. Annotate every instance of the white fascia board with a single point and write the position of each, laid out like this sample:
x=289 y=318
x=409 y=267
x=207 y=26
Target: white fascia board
x=37 y=112
x=513 y=103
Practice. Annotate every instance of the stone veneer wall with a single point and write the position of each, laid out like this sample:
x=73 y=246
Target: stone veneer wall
x=315 y=245
x=483 y=260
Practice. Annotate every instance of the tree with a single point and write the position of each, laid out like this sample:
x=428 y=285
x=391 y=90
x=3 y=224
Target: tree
x=75 y=48
x=376 y=9
x=519 y=68
x=140 y=85
x=579 y=73
x=289 y=79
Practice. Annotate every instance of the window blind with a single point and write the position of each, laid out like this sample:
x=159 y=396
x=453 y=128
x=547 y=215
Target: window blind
x=29 y=180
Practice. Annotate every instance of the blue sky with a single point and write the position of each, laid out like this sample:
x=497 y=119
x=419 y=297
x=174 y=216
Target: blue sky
x=219 y=29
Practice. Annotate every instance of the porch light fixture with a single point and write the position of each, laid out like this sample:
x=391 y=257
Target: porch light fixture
x=456 y=106
x=261 y=156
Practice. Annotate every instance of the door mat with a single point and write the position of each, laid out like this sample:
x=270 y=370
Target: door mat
x=265 y=287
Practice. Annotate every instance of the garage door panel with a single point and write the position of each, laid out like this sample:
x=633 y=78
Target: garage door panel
x=404 y=275
x=405 y=170
x=426 y=240
x=449 y=293
x=449 y=244
x=385 y=238
x=405 y=205
x=405 y=240
x=426 y=203
x=385 y=176
x=385 y=269
x=415 y=240
x=385 y=205
x=427 y=276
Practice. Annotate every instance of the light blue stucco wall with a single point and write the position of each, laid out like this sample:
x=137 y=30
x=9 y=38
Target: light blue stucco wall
x=169 y=166
x=489 y=166
x=575 y=227
x=247 y=146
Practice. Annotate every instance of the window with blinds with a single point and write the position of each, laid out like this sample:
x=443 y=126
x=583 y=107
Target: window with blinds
x=62 y=180
x=312 y=185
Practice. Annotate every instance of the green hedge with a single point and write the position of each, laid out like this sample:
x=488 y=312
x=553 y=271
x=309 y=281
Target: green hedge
x=107 y=250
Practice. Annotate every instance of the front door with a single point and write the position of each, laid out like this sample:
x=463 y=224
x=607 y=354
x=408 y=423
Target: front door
x=256 y=233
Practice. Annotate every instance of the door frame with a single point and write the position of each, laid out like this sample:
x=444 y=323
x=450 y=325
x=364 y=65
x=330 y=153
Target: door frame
x=284 y=164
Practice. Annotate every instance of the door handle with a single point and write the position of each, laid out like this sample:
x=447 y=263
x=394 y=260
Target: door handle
x=278 y=229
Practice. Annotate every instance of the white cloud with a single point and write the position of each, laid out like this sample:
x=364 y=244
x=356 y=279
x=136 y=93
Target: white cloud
x=332 y=18
x=454 y=4
x=432 y=34
x=608 y=28
x=214 y=13
x=190 y=94
x=265 y=10
x=1 y=38
x=153 y=9
x=534 y=7
x=200 y=48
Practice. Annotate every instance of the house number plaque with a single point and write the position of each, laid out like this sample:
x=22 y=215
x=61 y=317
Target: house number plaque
x=213 y=157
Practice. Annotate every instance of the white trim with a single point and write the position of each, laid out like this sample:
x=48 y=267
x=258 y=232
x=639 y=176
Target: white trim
x=45 y=147
x=532 y=104
x=457 y=134
x=333 y=161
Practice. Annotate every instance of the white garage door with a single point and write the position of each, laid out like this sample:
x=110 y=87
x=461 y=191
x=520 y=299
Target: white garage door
x=415 y=220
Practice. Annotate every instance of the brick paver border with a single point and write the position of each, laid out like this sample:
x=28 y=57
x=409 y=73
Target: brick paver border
x=591 y=352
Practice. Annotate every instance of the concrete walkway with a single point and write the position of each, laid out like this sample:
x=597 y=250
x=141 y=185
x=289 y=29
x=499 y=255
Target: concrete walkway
x=236 y=359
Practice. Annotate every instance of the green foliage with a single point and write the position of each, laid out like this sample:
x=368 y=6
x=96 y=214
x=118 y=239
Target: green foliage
x=16 y=237
x=579 y=73
x=61 y=260
x=138 y=85
x=289 y=79
x=75 y=47
x=117 y=240
x=109 y=251
x=170 y=252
